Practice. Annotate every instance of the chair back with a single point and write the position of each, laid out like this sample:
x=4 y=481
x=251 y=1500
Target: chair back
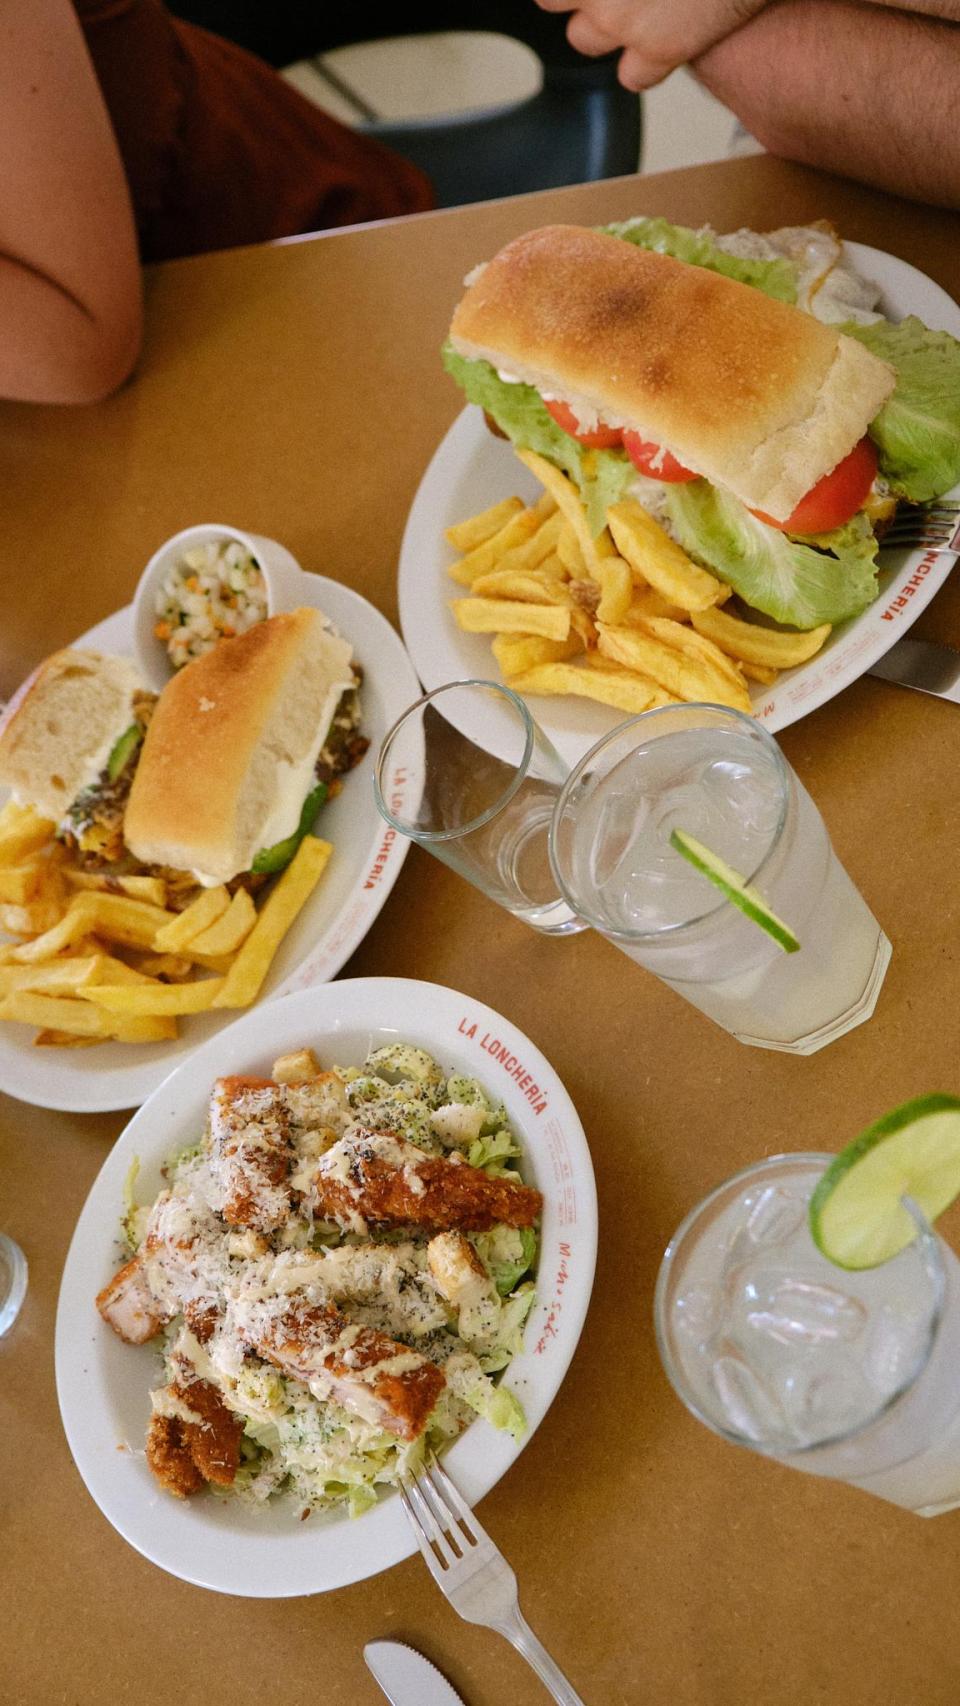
x=582 y=125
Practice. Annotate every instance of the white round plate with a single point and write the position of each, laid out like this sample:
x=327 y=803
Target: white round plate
x=365 y=864
x=103 y=1384
x=471 y=469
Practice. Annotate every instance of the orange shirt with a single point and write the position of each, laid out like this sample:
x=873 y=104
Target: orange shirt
x=219 y=150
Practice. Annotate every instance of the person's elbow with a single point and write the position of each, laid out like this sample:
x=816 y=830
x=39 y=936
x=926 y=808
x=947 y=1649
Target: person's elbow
x=93 y=365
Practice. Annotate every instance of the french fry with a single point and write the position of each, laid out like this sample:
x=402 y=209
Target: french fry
x=63 y=1039
x=477 y=529
x=529 y=585
x=132 y=922
x=153 y=889
x=532 y=552
x=229 y=930
x=659 y=559
x=22 y=832
x=746 y=640
x=762 y=672
x=686 y=639
x=20 y=883
x=611 y=686
x=72 y=927
x=516 y=653
x=176 y=932
x=55 y=1013
x=569 y=552
x=50 y=978
x=154 y=1000
x=647 y=601
x=583 y=625
x=616 y=589
x=485 y=557
x=151 y=967
x=681 y=676
x=32 y=918
x=111 y=970
x=503 y=616
x=244 y=979
x=567 y=499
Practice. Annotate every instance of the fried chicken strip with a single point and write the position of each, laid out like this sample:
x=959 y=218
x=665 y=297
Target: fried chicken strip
x=193 y=1438
x=366 y=1371
x=128 y=1305
x=251 y=1152
x=377 y=1177
x=254 y=1126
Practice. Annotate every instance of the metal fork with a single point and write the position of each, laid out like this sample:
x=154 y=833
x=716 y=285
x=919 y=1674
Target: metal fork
x=468 y=1569
x=933 y=526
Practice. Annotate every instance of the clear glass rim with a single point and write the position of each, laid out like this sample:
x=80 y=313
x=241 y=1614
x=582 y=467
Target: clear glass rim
x=927 y=1240
x=426 y=836
x=593 y=917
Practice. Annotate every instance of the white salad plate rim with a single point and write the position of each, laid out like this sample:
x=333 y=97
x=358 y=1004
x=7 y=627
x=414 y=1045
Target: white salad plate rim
x=103 y=1384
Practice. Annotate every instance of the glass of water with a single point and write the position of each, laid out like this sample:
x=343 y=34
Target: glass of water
x=718 y=775
x=851 y=1375
x=467 y=773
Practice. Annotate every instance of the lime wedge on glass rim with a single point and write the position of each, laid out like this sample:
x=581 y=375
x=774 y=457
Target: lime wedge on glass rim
x=857 y=1216
x=735 y=887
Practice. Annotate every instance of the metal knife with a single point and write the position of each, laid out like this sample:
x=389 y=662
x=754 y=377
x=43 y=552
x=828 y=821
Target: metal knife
x=406 y=1677
x=923 y=664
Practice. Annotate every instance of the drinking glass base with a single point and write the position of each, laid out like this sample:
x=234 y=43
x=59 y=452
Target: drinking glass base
x=846 y=1021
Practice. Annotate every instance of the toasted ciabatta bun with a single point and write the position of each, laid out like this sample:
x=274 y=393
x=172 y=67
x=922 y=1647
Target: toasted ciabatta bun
x=752 y=394
x=228 y=758
x=58 y=729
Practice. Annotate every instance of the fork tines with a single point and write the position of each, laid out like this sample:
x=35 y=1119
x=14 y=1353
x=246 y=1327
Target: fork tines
x=446 y=1527
x=933 y=523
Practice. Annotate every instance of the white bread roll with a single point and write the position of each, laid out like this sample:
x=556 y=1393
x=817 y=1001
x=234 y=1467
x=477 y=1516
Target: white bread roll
x=58 y=729
x=751 y=393
x=228 y=758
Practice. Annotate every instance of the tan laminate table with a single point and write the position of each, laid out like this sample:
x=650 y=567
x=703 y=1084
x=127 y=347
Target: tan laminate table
x=296 y=390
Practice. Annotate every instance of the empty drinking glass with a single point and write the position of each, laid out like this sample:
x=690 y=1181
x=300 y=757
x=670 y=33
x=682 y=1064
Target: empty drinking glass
x=485 y=780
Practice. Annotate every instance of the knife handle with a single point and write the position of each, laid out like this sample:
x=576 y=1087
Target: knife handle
x=517 y=1631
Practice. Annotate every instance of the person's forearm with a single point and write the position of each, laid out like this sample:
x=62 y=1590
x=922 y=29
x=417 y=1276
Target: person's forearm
x=856 y=90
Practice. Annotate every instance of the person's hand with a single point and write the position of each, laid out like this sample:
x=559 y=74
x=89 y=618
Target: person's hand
x=656 y=35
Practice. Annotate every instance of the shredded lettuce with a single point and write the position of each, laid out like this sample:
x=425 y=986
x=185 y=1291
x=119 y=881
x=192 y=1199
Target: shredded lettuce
x=135 y=1215
x=776 y=278
x=507 y=1253
x=918 y=429
x=476 y=1389
x=824 y=577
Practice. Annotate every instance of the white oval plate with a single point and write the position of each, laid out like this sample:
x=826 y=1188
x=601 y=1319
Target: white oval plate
x=471 y=470
x=103 y=1384
x=365 y=864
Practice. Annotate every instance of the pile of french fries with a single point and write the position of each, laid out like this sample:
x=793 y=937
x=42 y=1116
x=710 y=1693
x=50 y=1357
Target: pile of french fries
x=97 y=958
x=626 y=618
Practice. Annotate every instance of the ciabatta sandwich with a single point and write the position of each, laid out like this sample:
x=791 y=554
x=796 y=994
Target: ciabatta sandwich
x=757 y=434
x=217 y=779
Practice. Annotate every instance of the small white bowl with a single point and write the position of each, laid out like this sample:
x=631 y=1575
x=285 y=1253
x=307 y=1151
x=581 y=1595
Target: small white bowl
x=281 y=572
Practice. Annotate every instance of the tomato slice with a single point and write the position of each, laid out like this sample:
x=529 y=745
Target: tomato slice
x=835 y=498
x=601 y=438
x=653 y=460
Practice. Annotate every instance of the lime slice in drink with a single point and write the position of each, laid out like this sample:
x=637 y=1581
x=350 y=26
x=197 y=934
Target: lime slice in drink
x=735 y=887
x=857 y=1217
